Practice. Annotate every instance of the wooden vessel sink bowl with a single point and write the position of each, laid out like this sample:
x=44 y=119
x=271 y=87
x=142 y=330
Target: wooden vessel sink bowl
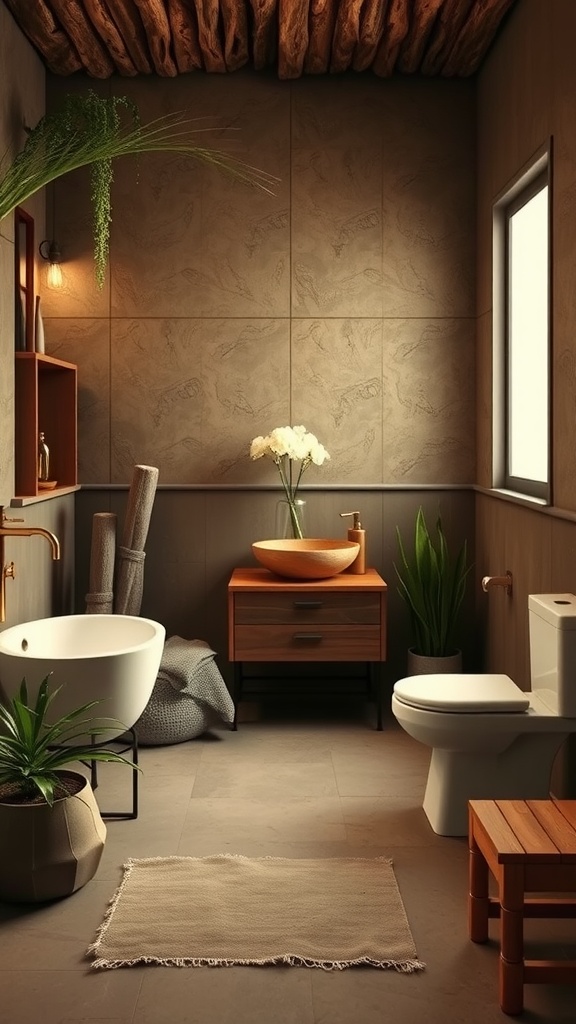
x=309 y=559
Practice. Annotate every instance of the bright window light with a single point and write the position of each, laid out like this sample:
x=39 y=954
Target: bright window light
x=527 y=340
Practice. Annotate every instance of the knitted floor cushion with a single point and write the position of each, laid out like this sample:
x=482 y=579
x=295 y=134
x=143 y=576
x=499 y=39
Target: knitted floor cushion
x=172 y=717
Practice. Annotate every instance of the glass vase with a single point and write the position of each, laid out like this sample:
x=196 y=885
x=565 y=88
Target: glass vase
x=290 y=519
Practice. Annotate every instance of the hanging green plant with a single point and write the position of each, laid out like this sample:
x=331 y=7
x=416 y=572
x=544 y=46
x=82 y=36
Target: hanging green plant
x=94 y=130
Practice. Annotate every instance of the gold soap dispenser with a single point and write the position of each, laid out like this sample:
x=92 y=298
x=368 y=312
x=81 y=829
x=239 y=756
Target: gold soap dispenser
x=357 y=534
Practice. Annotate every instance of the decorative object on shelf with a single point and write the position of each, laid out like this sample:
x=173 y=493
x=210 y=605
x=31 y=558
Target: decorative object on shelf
x=90 y=131
x=39 y=343
x=286 y=445
x=51 y=831
x=43 y=458
x=50 y=251
x=313 y=559
x=432 y=584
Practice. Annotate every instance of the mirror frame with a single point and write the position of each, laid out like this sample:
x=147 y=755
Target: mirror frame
x=24 y=274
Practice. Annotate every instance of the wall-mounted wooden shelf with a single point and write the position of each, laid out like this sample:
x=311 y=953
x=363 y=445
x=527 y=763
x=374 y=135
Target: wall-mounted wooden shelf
x=45 y=399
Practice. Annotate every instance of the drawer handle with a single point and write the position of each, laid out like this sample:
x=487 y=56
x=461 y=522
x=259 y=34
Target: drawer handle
x=310 y=637
x=308 y=604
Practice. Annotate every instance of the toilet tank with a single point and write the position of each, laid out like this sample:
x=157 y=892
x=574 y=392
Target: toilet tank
x=552 y=626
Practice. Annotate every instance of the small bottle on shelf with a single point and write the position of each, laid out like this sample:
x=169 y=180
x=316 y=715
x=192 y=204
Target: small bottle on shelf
x=43 y=458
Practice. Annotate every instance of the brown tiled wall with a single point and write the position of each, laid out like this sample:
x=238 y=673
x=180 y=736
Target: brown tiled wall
x=345 y=301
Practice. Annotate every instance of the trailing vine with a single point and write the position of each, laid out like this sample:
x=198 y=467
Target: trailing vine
x=90 y=130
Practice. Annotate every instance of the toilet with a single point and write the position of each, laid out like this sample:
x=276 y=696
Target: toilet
x=490 y=739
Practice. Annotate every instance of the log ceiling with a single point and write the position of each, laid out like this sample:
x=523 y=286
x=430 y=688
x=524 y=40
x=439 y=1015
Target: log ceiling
x=294 y=37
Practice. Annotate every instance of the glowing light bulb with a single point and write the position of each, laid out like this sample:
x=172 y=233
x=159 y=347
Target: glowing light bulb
x=54 y=275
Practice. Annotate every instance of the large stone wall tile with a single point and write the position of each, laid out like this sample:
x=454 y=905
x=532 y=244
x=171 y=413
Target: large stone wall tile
x=428 y=401
x=156 y=252
x=326 y=110
x=428 y=200
x=186 y=395
x=336 y=392
x=336 y=200
x=245 y=265
x=87 y=344
x=191 y=239
x=245 y=230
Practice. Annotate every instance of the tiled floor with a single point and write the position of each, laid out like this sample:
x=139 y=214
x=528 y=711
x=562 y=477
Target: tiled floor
x=309 y=787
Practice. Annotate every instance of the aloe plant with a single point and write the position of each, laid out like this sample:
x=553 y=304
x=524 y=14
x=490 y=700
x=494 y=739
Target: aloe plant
x=32 y=750
x=94 y=130
x=432 y=584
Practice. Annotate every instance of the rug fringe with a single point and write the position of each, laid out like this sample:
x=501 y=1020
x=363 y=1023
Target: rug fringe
x=112 y=904
x=402 y=966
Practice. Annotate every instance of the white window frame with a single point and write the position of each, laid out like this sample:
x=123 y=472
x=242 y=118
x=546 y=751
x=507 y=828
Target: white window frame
x=527 y=184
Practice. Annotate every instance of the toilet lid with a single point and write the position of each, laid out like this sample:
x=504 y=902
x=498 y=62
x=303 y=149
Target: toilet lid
x=462 y=692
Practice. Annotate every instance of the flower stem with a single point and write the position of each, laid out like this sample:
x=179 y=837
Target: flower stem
x=290 y=493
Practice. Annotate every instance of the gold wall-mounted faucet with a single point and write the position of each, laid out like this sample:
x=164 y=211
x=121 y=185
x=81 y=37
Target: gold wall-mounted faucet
x=7 y=570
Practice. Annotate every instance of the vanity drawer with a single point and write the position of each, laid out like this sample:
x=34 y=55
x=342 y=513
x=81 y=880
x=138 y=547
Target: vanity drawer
x=306 y=609
x=294 y=642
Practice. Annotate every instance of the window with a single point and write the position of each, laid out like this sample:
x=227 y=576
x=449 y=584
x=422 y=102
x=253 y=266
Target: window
x=522 y=335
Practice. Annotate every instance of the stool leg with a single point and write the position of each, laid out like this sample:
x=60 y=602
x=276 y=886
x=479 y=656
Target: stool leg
x=478 y=891
x=512 y=939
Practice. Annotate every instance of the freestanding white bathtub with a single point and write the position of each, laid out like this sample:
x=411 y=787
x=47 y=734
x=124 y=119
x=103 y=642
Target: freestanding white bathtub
x=110 y=658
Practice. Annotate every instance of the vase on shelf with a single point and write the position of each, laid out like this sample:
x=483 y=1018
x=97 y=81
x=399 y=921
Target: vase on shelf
x=290 y=519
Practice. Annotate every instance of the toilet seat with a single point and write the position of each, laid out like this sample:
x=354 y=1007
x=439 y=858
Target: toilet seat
x=462 y=692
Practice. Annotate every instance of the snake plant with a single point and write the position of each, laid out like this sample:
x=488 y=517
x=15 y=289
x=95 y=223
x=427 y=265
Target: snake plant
x=432 y=583
x=32 y=750
x=94 y=130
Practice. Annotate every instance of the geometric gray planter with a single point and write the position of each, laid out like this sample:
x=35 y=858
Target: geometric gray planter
x=47 y=852
x=421 y=664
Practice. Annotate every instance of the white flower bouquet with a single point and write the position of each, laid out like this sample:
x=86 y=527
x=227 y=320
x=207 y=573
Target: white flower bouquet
x=286 y=445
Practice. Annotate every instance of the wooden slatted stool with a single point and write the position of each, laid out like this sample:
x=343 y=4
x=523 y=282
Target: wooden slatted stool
x=528 y=846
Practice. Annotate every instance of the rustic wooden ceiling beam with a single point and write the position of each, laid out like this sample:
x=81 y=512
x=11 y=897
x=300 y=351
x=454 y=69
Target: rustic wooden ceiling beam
x=451 y=17
x=157 y=28
x=292 y=37
x=372 y=21
x=77 y=26
x=106 y=28
x=185 y=41
x=395 y=31
x=170 y=37
x=346 y=34
x=38 y=23
x=207 y=12
x=235 y=25
x=321 y=22
x=264 y=32
x=129 y=23
x=422 y=19
x=475 y=37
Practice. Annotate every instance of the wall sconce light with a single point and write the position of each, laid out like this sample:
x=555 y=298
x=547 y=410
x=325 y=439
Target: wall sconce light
x=49 y=251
